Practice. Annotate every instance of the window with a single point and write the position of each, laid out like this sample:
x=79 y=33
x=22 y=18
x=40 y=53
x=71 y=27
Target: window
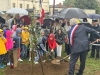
x=13 y=5
x=20 y=5
x=27 y=6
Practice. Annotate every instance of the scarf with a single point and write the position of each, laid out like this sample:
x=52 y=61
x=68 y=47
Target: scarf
x=72 y=32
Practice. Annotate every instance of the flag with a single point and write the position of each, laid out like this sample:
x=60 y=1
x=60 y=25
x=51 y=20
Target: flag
x=42 y=14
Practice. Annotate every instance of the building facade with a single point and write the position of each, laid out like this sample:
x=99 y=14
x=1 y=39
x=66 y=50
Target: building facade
x=26 y=4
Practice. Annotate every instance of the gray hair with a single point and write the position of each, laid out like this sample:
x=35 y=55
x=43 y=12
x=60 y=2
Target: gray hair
x=73 y=21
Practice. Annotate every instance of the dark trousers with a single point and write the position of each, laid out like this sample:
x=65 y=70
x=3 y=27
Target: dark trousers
x=95 y=48
x=73 y=60
x=67 y=49
x=7 y=56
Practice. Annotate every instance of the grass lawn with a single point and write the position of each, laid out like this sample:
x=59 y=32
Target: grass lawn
x=92 y=66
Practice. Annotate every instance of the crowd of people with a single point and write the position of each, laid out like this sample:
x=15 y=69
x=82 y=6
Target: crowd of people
x=68 y=32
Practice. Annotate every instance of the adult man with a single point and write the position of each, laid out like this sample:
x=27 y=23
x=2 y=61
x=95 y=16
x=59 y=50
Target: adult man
x=16 y=20
x=93 y=38
x=79 y=45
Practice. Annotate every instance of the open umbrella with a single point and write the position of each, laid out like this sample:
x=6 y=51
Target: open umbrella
x=17 y=11
x=72 y=13
x=26 y=19
x=1 y=13
x=2 y=20
x=94 y=16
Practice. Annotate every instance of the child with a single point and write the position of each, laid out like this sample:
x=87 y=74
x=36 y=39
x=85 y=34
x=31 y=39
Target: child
x=2 y=47
x=52 y=44
x=9 y=45
x=17 y=40
x=25 y=42
x=41 y=43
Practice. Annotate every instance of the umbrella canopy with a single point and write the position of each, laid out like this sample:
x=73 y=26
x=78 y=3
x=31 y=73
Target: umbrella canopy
x=17 y=11
x=54 y=16
x=72 y=13
x=26 y=19
x=46 y=22
x=94 y=16
x=1 y=13
x=2 y=20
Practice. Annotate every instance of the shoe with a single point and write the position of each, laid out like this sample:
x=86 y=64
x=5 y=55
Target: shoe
x=91 y=56
x=44 y=61
x=69 y=57
x=8 y=64
x=96 y=58
x=29 y=59
x=20 y=59
x=35 y=62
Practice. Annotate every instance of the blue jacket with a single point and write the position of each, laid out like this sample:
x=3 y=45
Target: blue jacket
x=17 y=39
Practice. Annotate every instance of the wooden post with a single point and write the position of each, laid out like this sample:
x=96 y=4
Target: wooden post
x=14 y=57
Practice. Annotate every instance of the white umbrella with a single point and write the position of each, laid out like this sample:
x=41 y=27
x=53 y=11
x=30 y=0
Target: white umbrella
x=1 y=13
x=17 y=11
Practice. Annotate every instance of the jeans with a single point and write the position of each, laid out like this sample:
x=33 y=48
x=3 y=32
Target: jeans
x=40 y=52
x=24 y=51
x=1 y=58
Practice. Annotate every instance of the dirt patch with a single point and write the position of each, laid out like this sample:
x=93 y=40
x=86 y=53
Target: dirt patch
x=98 y=73
x=49 y=69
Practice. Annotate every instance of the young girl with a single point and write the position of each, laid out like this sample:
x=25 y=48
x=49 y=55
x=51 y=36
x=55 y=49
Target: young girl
x=9 y=45
x=2 y=47
x=52 y=44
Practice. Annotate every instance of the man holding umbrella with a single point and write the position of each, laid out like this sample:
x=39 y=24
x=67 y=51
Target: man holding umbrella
x=93 y=38
x=79 y=45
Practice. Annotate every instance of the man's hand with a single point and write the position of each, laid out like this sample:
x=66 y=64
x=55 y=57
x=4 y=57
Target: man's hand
x=97 y=40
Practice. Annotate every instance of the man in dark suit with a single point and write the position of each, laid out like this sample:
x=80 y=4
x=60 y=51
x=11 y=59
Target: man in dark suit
x=95 y=26
x=79 y=46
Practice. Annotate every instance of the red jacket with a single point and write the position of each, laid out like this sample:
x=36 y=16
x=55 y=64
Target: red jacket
x=52 y=43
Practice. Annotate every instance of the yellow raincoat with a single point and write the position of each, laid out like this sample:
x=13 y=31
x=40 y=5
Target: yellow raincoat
x=25 y=37
x=2 y=45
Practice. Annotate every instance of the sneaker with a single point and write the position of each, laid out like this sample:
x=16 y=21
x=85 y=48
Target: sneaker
x=29 y=59
x=8 y=64
x=69 y=57
x=20 y=59
x=35 y=62
x=44 y=61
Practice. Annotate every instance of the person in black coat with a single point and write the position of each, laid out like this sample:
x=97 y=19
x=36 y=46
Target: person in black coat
x=79 y=45
x=60 y=40
x=95 y=26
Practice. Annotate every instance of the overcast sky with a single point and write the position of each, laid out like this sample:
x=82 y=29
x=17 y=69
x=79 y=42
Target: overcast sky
x=56 y=1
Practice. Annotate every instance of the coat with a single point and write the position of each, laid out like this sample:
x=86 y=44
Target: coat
x=2 y=46
x=81 y=42
x=17 y=39
x=9 y=43
x=60 y=38
x=52 y=43
x=92 y=36
x=25 y=37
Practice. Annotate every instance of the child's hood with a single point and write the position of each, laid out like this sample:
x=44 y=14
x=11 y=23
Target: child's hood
x=8 y=33
x=18 y=31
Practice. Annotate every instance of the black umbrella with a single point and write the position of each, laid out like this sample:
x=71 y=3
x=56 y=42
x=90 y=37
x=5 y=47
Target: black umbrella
x=72 y=13
x=94 y=16
x=2 y=20
x=46 y=22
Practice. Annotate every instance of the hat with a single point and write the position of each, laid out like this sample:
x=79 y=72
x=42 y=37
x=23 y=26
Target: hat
x=1 y=30
x=94 y=20
x=26 y=28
